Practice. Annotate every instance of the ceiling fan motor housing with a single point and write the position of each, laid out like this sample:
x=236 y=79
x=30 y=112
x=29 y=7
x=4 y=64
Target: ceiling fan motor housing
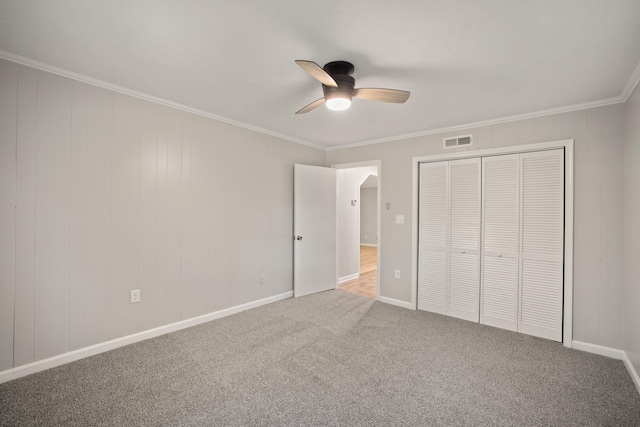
x=341 y=72
x=345 y=89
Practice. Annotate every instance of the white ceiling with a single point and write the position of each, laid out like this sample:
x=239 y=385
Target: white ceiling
x=463 y=61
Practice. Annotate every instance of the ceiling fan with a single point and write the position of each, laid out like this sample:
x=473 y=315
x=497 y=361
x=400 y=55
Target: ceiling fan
x=339 y=87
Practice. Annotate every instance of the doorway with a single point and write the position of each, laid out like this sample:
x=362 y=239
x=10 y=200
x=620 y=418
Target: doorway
x=358 y=226
x=365 y=285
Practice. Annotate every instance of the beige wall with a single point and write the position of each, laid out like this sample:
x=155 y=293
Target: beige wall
x=368 y=215
x=598 y=254
x=102 y=193
x=632 y=231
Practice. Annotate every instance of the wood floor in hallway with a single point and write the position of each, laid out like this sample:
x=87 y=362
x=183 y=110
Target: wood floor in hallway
x=366 y=284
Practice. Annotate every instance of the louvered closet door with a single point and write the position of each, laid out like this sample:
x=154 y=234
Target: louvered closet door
x=542 y=198
x=464 y=242
x=501 y=225
x=433 y=237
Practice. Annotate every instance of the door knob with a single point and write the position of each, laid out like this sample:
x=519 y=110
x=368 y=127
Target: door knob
x=298 y=237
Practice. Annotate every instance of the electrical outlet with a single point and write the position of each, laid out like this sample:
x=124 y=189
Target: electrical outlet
x=263 y=279
x=397 y=274
x=135 y=296
x=399 y=219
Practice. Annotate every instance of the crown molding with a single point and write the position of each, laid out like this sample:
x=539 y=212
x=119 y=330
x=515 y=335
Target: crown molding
x=626 y=93
x=145 y=96
x=542 y=113
x=632 y=83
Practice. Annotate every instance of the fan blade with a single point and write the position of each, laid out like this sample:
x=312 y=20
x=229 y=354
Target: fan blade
x=317 y=72
x=311 y=106
x=382 y=95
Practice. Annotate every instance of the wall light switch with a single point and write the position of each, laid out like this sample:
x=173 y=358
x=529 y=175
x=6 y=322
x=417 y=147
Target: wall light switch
x=397 y=274
x=399 y=219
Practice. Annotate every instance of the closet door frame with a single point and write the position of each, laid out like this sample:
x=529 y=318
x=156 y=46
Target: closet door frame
x=567 y=145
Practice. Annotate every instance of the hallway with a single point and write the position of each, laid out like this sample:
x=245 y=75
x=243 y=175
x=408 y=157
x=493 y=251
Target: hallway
x=366 y=284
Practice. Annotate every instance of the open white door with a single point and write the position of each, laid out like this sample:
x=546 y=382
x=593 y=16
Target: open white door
x=314 y=225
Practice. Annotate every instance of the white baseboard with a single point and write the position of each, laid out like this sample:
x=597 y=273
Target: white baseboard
x=403 y=304
x=632 y=371
x=612 y=353
x=371 y=245
x=347 y=278
x=72 y=356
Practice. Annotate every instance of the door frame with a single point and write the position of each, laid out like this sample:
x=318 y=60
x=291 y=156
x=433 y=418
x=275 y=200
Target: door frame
x=567 y=145
x=378 y=164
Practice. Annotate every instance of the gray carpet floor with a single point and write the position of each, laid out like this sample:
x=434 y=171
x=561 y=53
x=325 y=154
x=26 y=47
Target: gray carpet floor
x=330 y=359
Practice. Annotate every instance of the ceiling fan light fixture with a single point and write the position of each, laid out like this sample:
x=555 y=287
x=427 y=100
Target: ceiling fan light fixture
x=339 y=88
x=338 y=103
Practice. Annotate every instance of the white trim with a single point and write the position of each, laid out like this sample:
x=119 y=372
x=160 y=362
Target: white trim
x=567 y=144
x=145 y=96
x=415 y=211
x=567 y=327
x=72 y=356
x=362 y=164
x=491 y=122
x=371 y=245
x=379 y=229
x=632 y=370
x=378 y=164
x=632 y=83
x=347 y=278
x=337 y=234
x=513 y=149
x=613 y=353
x=397 y=302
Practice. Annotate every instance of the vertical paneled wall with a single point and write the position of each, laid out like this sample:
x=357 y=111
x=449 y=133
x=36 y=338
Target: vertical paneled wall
x=52 y=195
x=102 y=193
x=598 y=220
x=8 y=107
x=632 y=230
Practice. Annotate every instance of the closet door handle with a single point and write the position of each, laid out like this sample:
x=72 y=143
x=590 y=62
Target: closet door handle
x=464 y=252
x=499 y=255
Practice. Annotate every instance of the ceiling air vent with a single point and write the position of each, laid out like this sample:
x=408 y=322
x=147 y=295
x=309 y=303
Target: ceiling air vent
x=458 y=141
